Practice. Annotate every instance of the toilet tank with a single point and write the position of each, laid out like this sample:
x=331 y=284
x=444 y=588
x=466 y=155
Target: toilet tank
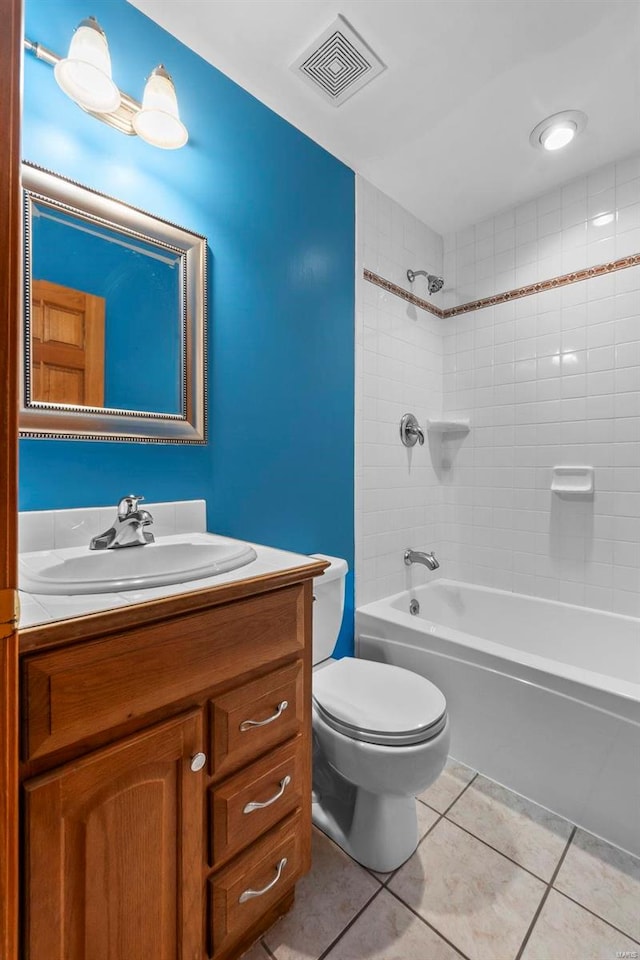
x=328 y=606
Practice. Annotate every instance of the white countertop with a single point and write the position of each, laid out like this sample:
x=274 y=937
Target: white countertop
x=38 y=609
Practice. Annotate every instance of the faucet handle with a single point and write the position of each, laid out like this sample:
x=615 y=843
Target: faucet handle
x=411 y=431
x=128 y=505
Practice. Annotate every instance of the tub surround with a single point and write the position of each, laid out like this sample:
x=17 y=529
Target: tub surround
x=547 y=372
x=591 y=220
x=548 y=380
x=536 y=701
x=399 y=369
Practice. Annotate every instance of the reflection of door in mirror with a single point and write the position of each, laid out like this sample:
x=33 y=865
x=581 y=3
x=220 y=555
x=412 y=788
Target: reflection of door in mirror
x=67 y=345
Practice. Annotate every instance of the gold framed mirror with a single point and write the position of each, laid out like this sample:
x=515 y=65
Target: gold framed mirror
x=114 y=332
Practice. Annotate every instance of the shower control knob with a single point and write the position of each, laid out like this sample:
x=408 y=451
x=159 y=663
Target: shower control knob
x=198 y=761
x=410 y=431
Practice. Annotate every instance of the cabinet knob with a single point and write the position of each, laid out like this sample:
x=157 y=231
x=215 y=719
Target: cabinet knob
x=198 y=761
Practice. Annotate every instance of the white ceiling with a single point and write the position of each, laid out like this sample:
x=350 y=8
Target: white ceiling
x=445 y=129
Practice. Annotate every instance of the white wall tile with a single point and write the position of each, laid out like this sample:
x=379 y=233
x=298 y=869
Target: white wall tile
x=545 y=380
x=51 y=529
x=35 y=531
x=398 y=495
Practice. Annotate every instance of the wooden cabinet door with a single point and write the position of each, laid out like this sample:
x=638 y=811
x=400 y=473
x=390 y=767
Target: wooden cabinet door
x=67 y=345
x=115 y=851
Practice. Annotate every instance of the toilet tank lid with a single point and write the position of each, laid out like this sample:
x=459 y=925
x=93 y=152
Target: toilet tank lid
x=337 y=568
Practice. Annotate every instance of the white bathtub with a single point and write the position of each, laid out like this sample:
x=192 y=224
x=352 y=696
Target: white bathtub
x=543 y=697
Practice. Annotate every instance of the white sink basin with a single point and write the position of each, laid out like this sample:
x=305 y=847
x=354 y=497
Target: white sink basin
x=78 y=570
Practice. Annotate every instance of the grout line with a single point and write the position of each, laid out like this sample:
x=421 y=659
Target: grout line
x=549 y=886
x=266 y=949
x=545 y=895
x=423 y=837
x=596 y=915
x=464 y=790
x=432 y=827
x=430 y=925
x=351 y=923
x=497 y=850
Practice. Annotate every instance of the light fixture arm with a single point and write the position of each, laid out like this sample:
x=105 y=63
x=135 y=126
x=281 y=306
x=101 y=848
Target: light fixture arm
x=121 y=119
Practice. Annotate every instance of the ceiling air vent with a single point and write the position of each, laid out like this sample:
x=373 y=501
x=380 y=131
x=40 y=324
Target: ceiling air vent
x=338 y=63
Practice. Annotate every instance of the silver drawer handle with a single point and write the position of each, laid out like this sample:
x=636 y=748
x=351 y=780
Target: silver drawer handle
x=256 y=805
x=248 y=724
x=249 y=894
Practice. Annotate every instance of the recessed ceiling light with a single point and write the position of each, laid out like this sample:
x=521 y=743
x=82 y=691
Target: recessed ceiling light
x=558 y=130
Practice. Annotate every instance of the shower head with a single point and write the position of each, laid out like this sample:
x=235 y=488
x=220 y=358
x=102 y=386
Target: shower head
x=435 y=284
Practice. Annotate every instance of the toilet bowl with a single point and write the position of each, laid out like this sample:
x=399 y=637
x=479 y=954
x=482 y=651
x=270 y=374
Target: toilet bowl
x=381 y=735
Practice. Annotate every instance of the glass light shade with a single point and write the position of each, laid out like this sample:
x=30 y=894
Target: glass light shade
x=85 y=74
x=158 y=122
x=558 y=136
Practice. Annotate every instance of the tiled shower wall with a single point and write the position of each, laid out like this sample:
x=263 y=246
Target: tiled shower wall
x=591 y=220
x=550 y=379
x=398 y=370
x=546 y=380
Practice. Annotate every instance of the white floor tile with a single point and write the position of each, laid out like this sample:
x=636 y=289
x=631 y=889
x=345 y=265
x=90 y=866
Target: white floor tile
x=604 y=879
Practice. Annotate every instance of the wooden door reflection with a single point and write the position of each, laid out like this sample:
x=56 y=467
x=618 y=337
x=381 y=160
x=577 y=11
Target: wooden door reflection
x=67 y=345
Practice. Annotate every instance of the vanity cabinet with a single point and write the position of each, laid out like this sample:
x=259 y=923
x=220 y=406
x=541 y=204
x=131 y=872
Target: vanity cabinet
x=167 y=773
x=114 y=845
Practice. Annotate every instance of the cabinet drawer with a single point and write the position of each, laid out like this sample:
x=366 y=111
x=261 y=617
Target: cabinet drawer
x=251 y=802
x=79 y=691
x=253 y=718
x=241 y=893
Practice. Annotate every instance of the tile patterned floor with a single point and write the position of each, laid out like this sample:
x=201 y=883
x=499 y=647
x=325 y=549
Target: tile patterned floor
x=495 y=877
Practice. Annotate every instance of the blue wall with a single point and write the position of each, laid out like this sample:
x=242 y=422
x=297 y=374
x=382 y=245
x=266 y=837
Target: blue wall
x=279 y=215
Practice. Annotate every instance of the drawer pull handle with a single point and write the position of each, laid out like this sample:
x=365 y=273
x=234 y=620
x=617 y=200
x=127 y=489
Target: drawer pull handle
x=248 y=724
x=249 y=894
x=256 y=805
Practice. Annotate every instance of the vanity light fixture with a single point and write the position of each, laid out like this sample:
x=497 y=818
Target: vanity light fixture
x=558 y=130
x=85 y=76
x=158 y=122
x=85 y=73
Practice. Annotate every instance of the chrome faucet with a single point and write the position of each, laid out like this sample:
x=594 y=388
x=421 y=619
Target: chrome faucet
x=128 y=527
x=417 y=556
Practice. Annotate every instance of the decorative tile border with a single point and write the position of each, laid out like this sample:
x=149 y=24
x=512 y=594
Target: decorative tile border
x=403 y=294
x=587 y=274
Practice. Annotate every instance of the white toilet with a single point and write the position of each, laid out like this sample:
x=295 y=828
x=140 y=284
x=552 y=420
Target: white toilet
x=380 y=734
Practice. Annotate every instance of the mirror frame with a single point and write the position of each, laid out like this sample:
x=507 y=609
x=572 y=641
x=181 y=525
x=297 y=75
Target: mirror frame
x=69 y=422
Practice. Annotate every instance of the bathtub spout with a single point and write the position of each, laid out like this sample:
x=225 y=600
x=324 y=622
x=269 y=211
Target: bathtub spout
x=417 y=556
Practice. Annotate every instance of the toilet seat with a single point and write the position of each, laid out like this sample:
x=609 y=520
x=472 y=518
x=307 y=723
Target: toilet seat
x=378 y=703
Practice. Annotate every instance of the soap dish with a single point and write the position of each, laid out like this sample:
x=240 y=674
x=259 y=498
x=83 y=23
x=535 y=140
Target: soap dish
x=568 y=480
x=448 y=426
